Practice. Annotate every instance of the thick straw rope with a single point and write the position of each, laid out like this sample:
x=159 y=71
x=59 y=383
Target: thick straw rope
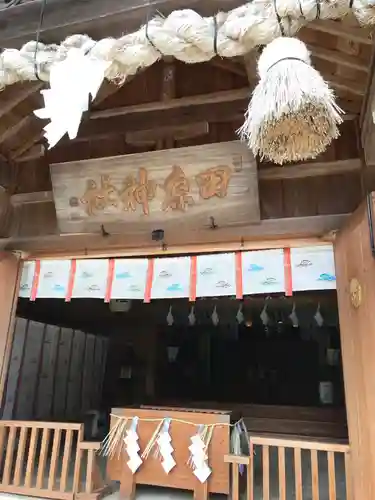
x=185 y=35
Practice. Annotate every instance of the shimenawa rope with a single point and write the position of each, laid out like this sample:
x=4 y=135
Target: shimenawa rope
x=185 y=35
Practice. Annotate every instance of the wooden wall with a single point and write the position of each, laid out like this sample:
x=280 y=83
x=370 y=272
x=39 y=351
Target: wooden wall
x=54 y=373
x=355 y=271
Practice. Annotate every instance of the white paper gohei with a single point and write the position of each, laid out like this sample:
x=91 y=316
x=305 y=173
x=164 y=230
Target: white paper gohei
x=168 y=464
x=202 y=473
x=72 y=81
x=134 y=463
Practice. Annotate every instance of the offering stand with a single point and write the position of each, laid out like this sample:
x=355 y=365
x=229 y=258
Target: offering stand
x=181 y=476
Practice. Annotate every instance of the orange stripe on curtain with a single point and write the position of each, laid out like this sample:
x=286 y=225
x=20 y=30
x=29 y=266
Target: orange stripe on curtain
x=193 y=279
x=288 y=273
x=72 y=275
x=111 y=270
x=35 y=285
x=149 y=279
x=239 y=284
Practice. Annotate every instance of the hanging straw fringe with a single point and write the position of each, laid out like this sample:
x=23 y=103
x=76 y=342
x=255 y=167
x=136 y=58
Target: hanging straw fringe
x=185 y=35
x=114 y=440
x=292 y=115
x=152 y=442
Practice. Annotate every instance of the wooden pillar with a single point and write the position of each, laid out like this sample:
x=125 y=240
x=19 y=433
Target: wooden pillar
x=9 y=282
x=355 y=269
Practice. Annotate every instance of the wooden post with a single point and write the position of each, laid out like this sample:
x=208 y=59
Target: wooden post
x=355 y=270
x=9 y=282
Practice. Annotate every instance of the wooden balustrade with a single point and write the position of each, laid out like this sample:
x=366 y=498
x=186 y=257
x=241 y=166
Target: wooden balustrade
x=285 y=468
x=48 y=459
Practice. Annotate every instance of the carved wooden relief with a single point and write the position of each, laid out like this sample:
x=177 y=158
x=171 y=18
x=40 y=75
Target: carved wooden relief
x=158 y=190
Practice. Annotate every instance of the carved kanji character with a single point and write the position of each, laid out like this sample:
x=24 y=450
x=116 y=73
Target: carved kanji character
x=138 y=192
x=99 y=197
x=214 y=182
x=176 y=187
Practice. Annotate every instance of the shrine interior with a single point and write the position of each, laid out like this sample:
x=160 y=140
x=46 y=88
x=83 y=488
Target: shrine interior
x=275 y=361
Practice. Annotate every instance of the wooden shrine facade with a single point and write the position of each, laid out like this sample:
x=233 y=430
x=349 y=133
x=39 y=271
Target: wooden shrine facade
x=156 y=169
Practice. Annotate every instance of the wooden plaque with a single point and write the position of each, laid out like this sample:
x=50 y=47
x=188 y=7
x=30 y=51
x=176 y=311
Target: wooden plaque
x=197 y=187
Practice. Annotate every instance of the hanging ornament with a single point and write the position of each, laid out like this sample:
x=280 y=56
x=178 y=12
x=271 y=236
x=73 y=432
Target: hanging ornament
x=199 y=457
x=172 y=351
x=164 y=441
x=72 y=81
x=264 y=315
x=318 y=316
x=292 y=115
x=293 y=316
x=132 y=446
x=215 y=317
x=240 y=316
x=192 y=319
x=170 y=318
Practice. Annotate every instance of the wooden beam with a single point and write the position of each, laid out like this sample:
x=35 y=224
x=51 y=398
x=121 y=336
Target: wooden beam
x=367 y=117
x=178 y=133
x=230 y=66
x=17 y=93
x=337 y=28
x=337 y=57
x=312 y=169
x=270 y=233
x=146 y=138
x=168 y=93
x=31 y=198
x=356 y=88
x=224 y=106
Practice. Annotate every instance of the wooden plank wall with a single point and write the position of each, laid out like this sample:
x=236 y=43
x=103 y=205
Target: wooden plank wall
x=54 y=373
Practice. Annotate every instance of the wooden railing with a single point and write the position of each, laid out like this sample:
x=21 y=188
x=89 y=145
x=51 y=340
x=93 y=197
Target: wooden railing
x=47 y=459
x=284 y=468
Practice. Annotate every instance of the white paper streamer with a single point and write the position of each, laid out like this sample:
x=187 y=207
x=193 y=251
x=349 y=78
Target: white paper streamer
x=199 y=458
x=132 y=447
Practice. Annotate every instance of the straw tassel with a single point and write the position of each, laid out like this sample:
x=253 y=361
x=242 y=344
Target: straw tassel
x=292 y=115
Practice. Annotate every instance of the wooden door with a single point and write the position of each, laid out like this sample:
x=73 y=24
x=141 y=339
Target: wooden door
x=355 y=270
